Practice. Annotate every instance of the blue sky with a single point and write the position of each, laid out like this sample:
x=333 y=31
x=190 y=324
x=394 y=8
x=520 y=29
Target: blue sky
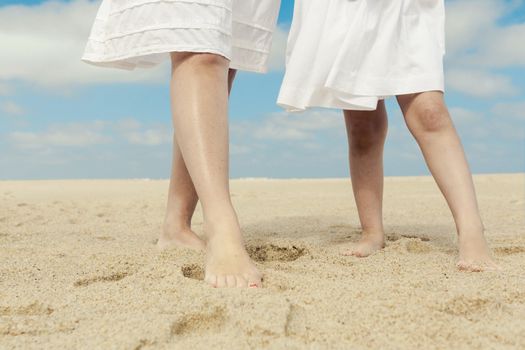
x=60 y=118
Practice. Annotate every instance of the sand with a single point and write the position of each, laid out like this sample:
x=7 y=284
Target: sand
x=79 y=269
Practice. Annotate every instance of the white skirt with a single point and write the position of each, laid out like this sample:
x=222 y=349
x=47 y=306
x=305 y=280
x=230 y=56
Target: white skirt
x=349 y=54
x=141 y=33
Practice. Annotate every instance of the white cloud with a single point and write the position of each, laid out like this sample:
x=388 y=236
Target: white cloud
x=11 y=108
x=149 y=137
x=4 y=89
x=463 y=116
x=504 y=48
x=504 y=121
x=474 y=36
x=135 y=133
x=477 y=44
x=83 y=134
x=46 y=42
x=480 y=83
x=295 y=126
x=127 y=124
x=70 y=135
x=277 y=143
x=469 y=123
x=468 y=22
x=515 y=110
x=239 y=149
x=274 y=130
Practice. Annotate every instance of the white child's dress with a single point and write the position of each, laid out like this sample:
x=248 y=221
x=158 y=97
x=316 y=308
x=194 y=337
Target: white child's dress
x=141 y=33
x=349 y=54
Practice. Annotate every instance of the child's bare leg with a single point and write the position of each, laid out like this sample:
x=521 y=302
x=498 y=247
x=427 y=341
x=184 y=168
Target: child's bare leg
x=429 y=122
x=182 y=200
x=366 y=133
x=200 y=116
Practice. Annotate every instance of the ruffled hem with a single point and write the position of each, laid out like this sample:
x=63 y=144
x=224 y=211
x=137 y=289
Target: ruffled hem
x=143 y=32
x=297 y=99
x=147 y=58
x=149 y=48
x=381 y=86
x=153 y=56
x=250 y=46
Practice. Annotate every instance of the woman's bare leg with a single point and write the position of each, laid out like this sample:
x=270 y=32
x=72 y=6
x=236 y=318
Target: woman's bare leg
x=428 y=119
x=200 y=117
x=366 y=133
x=182 y=200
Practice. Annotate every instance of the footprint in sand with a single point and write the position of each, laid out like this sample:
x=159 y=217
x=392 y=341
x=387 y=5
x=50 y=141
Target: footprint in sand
x=510 y=250
x=271 y=252
x=296 y=322
x=32 y=320
x=199 y=322
x=392 y=237
x=34 y=309
x=421 y=238
x=193 y=271
x=114 y=277
x=417 y=246
x=465 y=306
x=144 y=343
x=516 y=297
x=105 y=238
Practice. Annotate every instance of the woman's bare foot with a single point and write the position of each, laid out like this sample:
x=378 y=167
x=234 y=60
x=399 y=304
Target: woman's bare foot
x=474 y=253
x=182 y=237
x=367 y=245
x=227 y=261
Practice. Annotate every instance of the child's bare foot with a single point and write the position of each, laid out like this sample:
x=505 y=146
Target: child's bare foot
x=367 y=245
x=227 y=261
x=179 y=237
x=474 y=253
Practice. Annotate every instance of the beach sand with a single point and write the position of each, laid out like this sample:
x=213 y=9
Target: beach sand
x=79 y=270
